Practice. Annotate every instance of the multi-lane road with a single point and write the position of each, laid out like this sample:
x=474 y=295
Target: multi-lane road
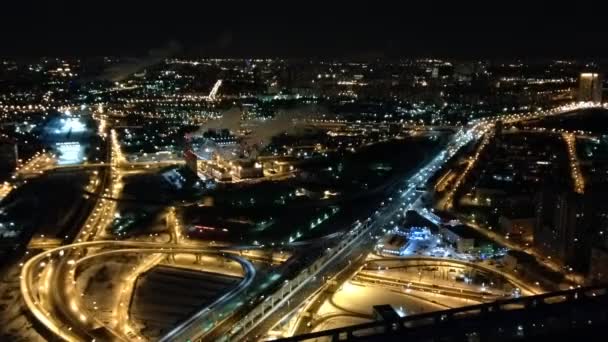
x=406 y=195
x=59 y=309
x=409 y=196
x=52 y=268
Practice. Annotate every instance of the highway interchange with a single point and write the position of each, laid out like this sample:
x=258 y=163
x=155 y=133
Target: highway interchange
x=47 y=279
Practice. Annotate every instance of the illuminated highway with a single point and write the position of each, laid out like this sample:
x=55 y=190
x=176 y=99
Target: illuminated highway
x=527 y=289
x=32 y=167
x=5 y=189
x=575 y=170
x=55 y=266
x=387 y=212
x=101 y=215
x=476 y=130
x=59 y=310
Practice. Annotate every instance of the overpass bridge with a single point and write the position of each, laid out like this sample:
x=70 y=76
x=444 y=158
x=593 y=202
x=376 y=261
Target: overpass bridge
x=75 y=167
x=125 y=165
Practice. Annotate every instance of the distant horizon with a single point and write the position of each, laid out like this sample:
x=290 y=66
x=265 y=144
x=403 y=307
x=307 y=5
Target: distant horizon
x=353 y=59
x=63 y=28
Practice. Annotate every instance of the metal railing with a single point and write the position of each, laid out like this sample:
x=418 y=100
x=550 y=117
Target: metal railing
x=503 y=319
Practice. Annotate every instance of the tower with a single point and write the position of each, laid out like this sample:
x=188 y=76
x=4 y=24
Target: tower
x=16 y=147
x=562 y=230
x=590 y=87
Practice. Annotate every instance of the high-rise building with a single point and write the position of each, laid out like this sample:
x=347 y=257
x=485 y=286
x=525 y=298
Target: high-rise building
x=563 y=222
x=590 y=87
x=498 y=129
x=435 y=72
x=598 y=265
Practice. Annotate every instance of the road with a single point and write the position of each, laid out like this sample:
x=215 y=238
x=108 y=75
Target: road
x=528 y=289
x=406 y=284
x=406 y=196
x=53 y=268
x=47 y=267
x=421 y=286
x=473 y=131
x=353 y=303
x=53 y=312
x=33 y=167
x=121 y=312
x=59 y=310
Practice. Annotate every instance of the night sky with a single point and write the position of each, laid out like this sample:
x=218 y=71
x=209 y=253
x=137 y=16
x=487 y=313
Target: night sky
x=296 y=29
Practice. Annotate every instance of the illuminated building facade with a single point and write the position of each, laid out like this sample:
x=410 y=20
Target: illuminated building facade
x=590 y=87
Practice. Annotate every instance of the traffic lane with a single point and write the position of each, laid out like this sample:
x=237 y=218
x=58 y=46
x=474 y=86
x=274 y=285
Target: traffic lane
x=311 y=286
x=360 y=247
x=407 y=284
x=421 y=177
